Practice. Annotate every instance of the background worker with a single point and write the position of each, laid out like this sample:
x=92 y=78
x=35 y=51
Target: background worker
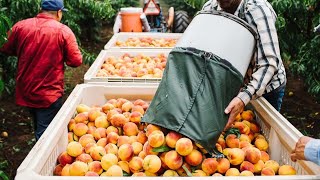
x=266 y=74
x=42 y=45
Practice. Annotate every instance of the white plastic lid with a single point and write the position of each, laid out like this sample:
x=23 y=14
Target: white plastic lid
x=131 y=10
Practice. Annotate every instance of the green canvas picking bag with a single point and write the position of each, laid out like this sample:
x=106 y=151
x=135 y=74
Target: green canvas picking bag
x=195 y=89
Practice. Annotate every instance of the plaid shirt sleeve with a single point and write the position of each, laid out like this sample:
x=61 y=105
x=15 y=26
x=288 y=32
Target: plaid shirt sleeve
x=261 y=16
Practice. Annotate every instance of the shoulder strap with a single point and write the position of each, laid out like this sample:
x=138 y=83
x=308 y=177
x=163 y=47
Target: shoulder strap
x=242 y=10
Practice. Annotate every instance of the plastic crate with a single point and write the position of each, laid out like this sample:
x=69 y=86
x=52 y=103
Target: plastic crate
x=41 y=160
x=123 y=36
x=90 y=76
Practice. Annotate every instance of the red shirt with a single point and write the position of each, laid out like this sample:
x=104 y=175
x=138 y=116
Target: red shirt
x=42 y=45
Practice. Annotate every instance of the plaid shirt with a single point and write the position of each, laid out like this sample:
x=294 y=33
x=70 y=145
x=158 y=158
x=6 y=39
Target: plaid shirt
x=266 y=72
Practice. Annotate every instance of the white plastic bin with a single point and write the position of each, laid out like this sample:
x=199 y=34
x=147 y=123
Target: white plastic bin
x=91 y=74
x=123 y=36
x=42 y=159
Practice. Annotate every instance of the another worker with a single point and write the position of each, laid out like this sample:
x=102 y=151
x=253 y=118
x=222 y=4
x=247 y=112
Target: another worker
x=307 y=148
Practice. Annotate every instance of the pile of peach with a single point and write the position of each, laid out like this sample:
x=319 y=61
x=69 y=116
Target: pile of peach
x=147 y=42
x=111 y=141
x=140 y=66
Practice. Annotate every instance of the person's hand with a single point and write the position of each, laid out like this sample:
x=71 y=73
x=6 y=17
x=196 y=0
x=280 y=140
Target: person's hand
x=298 y=152
x=235 y=107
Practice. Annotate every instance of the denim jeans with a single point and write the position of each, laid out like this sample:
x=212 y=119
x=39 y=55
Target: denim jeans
x=42 y=117
x=275 y=97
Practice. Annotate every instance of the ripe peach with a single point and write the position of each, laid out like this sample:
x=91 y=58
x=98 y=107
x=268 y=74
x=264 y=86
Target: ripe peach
x=123 y=140
x=194 y=158
x=97 y=152
x=148 y=149
x=246 y=123
x=88 y=148
x=173 y=160
x=217 y=174
x=78 y=168
x=102 y=142
x=57 y=170
x=95 y=166
x=232 y=141
x=272 y=164
x=139 y=102
x=127 y=106
x=81 y=118
x=137 y=147
x=170 y=173
x=245 y=144
x=223 y=165
x=247 y=115
x=114 y=170
x=136 y=164
x=141 y=137
x=86 y=158
x=112 y=129
x=120 y=102
x=246 y=165
x=108 y=160
x=150 y=128
x=85 y=139
x=113 y=102
x=142 y=154
x=80 y=129
x=184 y=146
x=267 y=171
x=232 y=172
x=244 y=137
x=71 y=124
x=238 y=117
x=253 y=155
x=264 y=156
x=111 y=113
x=125 y=152
x=64 y=158
x=107 y=107
x=138 y=109
x=101 y=122
x=65 y=170
x=258 y=167
x=72 y=137
x=198 y=173
x=246 y=173
x=261 y=144
x=236 y=156
x=112 y=137
x=124 y=166
x=90 y=173
x=287 y=170
x=222 y=142
x=91 y=128
x=156 y=138
x=151 y=163
x=209 y=165
x=133 y=139
x=243 y=128
x=135 y=117
x=82 y=108
x=118 y=120
x=93 y=114
x=130 y=129
x=151 y=174
x=99 y=133
x=139 y=174
x=111 y=148
x=254 y=127
x=74 y=149
x=171 y=138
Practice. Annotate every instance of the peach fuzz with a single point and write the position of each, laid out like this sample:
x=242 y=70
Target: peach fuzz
x=97 y=152
x=74 y=149
x=232 y=141
x=246 y=165
x=78 y=168
x=267 y=171
x=124 y=166
x=173 y=160
x=209 y=165
x=156 y=138
x=82 y=108
x=232 y=172
x=125 y=152
x=136 y=164
x=108 y=160
x=236 y=156
x=81 y=118
x=287 y=170
x=171 y=138
x=86 y=158
x=151 y=163
x=112 y=137
x=86 y=139
x=64 y=158
x=101 y=122
x=130 y=129
x=184 y=146
x=80 y=129
x=252 y=154
x=114 y=170
x=95 y=166
x=194 y=158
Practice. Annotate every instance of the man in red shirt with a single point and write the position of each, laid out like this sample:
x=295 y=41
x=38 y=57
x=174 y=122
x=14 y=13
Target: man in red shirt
x=42 y=45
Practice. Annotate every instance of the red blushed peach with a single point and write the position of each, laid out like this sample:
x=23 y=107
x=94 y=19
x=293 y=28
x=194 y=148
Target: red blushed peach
x=252 y=154
x=194 y=158
x=86 y=158
x=148 y=149
x=118 y=120
x=80 y=129
x=111 y=148
x=246 y=173
x=99 y=133
x=232 y=172
x=247 y=115
x=170 y=173
x=139 y=102
x=173 y=160
x=125 y=152
x=243 y=128
x=232 y=141
x=137 y=147
x=236 y=156
x=272 y=164
x=171 y=138
x=123 y=140
x=156 y=138
x=151 y=163
x=150 y=128
x=71 y=124
x=124 y=166
x=130 y=129
x=120 y=102
x=141 y=137
x=287 y=170
x=244 y=145
x=264 y=156
x=184 y=146
x=93 y=114
x=101 y=122
x=111 y=113
x=138 y=109
x=107 y=107
x=108 y=160
x=57 y=170
x=65 y=170
x=209 y=165
x=64 y=158
x=91 y=128
x=97 y=152
x=267 y=171
x=90 y=173
x=127 y=106
x=102 y=142
x=246 y=165
x=81 y=118
x=72 y=137
x=258 y=166
x=85 y=139
x=74 y=149
x=136 y=164
x=135 y=117
x=198 y=173
x=112 y=137
x=223 y=165
x=114 y=170
x=145 y=107
x=78 y=168
x=88 y=148
x=95 y=166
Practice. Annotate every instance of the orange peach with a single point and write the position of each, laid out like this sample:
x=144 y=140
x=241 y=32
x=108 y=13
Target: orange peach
x=64 y=158
x=236 y=156
x=113 y=102
x=81 y=118
x=243 y=128
x=99 y=133
x=112 y=129
x=78 y=168
x=156 y=138
x=102 y=142
x=139 y=174
x=91 y=128
x=247 y=115
x=245 y=144
x=150 y=128
x=247 y=123
x=124 y=166
x=88 y=148
x=114 y=170
x=123 y=140
x=254 y=127
x=95 y=166
x=222 y=142
x=111 y=113
x=142 y=154
x=111 y=148
x=57 y=170
x=118 y=120
x=223 y=165
x=232 y=141
x=209 y=165
x=80 y=129
x=86 y=158
x=65 y=170
x=171 y=138
x=232 y=172
x=133 y=139
x=85 y=139
x=107 y=107
x=71 y=124
x=138 y=109
x=74 y=149
x=97 y=152
x=173 y=160
x=287 y=170
x=127 y=106
x=246 y=165
x=137 y=147
x=267 y=171
x=125 y=152
x=151 y=174
x=136 y=164
x=120 y=102
x=272 y=164
x=149 y=149
x=261 y=144
x=258 y=167
x=184 y=146
x=151 y=163
x=130 y=129
x=170 y=173
x=246 y=173
x=194 y=158
x=264 y=156
x=101 y=122
x=108 y=160
x=141 y=137
x=198 y=173
x=135 y=117
x=244 y=137
x=112 y=137
x=253 y=155
x=93 y=114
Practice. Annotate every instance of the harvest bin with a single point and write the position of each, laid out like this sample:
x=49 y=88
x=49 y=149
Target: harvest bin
x=91 y=74
x=123 y=36
x=41 y=160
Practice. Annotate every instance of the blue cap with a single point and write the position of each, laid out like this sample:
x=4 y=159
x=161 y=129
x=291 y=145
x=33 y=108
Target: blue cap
x=52 y=5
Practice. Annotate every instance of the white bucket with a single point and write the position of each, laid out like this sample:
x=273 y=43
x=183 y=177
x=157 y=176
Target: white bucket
x=222 y=34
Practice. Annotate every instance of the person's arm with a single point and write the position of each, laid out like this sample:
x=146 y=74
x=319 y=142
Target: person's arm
x=72 y=53
x=307 y=148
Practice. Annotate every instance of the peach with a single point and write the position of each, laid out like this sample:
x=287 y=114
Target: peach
x=162 y=158
x=124 y=166
x=90 y=173
x=151 y=163
x=150 y=128
x=88 y=148
x=112 y=129
x=182 y=172
x=151 y=174
x=139 y=174
x=243 y=128
x=125 y=152
x=244 y=137
x=226 y=151
x=261 y=144
x=209 y=165
x=120 y=102
x=246 y=173
x=245 y=144
x=71 y=124
x=264 y=156
x=91 y=128
x=123 y=140
x=93 y=114
x=127 y=115
x=194 y=158
x=86 y=139
x=112 y=137
x=65 y=170
x=99 y=133
x=86 y=158
x=136 y=164
x=72 y=137
x=223 y=165
x=267 y=171
x=101 y=122
x=142 y=154
x=138 y=109
x=78 y=168
x=219 y=148
x=232 y=172
x=111 y=113
x=82 y=108
x=95 y=166
x=258 y=167
x=254 y=127
x=107 y=107
x=57 y=170
x=139 y=102
x=236 y=156
x=108 y=160
x=141 y=137
x=118 y=120
x=246 y=165
x=173 y=160
x=286 y=170
x=170 y=173
x=135 y=117
x=81 y=118
x=253 y=155
x=111 y=148
x=184 y=146
x=137 y=147
x=127 y=106
x=102 y=142
x=238 y=117
x=149 y=149
x=198 y=173
x=113 y=102
x=217 y=174
x=130 y=129
x=74 y=149
x=222 y=142
x=80 y=129
x=97 y=152
x=247 y=115
x=232 y=141
x=64 y=158
x=171 y=138
x=246 y=123
x=133 y=139
x=156 y=138
x=114 y=170
x=272 y=164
